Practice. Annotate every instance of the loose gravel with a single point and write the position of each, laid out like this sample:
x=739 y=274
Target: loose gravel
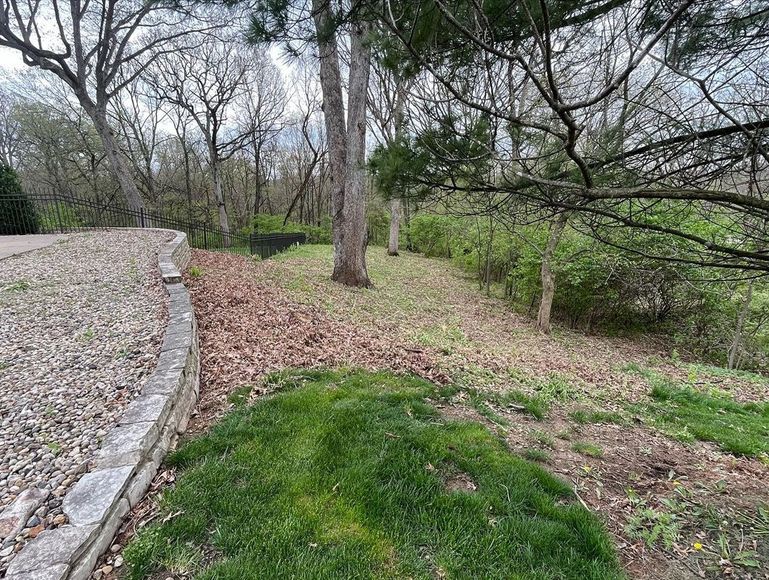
x=81 y=324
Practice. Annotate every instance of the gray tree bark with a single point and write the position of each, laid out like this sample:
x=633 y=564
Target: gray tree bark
x=346 y=144
x=395 y=223
x=224 y=222
x=736 y=346
x=395 y=203
x=547 y=275
x=117 y=162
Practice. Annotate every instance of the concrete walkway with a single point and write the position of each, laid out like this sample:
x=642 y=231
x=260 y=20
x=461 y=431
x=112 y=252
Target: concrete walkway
x=12 y=245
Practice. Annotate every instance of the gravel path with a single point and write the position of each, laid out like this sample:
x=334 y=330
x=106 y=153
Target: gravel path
x=80 y=329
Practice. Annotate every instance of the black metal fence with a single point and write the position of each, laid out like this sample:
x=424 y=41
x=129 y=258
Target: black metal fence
x=267 y=245
x=61 y=214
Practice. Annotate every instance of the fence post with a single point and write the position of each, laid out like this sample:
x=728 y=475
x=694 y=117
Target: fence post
x=205 y=237
x=141 y=216
x=58 y=213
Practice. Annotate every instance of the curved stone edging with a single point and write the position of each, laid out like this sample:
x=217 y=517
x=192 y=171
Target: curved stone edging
x=131 y=452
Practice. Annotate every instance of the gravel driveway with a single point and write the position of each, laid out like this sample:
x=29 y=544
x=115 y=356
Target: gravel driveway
x=80 y=329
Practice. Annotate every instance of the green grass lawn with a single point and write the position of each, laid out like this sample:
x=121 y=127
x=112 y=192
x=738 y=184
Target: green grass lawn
x=742 y=429
x=353 y=475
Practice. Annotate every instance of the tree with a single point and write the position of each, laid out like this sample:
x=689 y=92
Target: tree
x=9 y=129
x=97 y=49
x=387 y=104
x=264 y=109
x=660 y=124
x=210 y=83
x=17 y=214
x=345 y=134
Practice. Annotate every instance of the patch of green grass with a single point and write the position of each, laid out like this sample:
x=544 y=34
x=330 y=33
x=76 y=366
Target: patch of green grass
x=543 y=438
x=742 y=429
x=584 y=417
x=195 y=272
x=538 y=455
x=240 y=395
x=18 y=286
x=444 y=337
x=347 y=475
x=88 y=334
x=589 y=449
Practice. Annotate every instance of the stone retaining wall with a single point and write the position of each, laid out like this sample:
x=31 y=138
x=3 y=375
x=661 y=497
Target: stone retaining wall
x=131 y=452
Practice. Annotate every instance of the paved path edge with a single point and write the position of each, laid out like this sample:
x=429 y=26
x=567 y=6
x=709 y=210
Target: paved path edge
x=132 y=450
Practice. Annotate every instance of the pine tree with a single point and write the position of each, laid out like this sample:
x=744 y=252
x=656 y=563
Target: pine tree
x=17 y=214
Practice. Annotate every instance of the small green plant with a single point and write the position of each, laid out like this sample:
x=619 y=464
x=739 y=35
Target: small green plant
x=18 y=286
x=87 y=334
x=589 y=449
x=538 y=455
x=54 y=447
x=543 y=438
x=557 y=388
x=240 y=395
x=566 y=434
x=195 y=272
x=651 y=525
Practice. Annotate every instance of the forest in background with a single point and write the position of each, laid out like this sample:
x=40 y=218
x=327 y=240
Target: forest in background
x=603 y=164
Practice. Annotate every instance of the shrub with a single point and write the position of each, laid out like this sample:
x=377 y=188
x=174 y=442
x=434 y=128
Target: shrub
x=17 y=214
x=272 y=224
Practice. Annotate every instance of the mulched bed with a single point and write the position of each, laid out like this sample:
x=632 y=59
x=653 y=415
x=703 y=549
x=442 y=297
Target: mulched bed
x=249 y=329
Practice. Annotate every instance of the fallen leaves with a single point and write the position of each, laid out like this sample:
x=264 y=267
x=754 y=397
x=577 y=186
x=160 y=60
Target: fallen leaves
x=248 y=329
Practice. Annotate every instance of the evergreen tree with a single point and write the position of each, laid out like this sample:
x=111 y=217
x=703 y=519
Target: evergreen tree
x=17 y=214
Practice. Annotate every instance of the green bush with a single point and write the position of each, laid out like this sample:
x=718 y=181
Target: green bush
x=17 y=214
x=264 y=223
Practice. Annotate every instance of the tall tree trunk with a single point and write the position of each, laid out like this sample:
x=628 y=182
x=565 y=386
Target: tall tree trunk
x=224 y=222
x=346 y=144
x=736 y=346
x=395 y=204
x=395 y=224
x=258 y=183
x=489 y=247
x=117 y=162
x=547 y=275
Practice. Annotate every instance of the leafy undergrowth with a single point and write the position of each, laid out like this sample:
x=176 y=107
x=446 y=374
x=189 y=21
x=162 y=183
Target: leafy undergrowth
x=353 y=475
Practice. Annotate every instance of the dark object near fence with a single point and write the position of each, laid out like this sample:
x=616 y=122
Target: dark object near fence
x=267 y=245
x=52 y=213
x=17 y=214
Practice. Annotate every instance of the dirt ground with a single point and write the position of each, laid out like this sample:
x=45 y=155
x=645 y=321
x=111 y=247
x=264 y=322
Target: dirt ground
x=677 y=510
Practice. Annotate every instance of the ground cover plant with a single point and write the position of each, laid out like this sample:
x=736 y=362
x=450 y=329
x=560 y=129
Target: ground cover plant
x=353 y=475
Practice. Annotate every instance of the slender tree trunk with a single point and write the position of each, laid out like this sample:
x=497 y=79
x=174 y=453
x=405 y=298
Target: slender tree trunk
x=395 y=204
x=346 y=144
x=258 y=183
x=117 y=162
x=395 y=224
x=489 y=247
x=547 y=275
x=736 y=346
x=224 y=222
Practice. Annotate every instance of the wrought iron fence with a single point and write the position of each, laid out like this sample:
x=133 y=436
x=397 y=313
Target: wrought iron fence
x=267 y=245
x=62 y=214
